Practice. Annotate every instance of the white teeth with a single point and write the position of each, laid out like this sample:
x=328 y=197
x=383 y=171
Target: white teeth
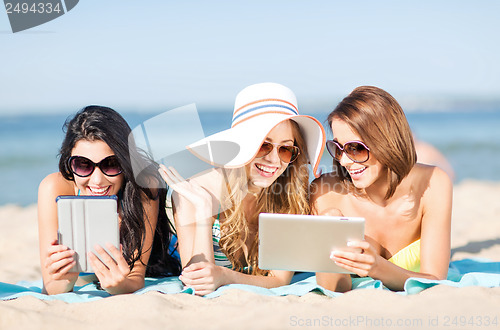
x=98 y=190
x=357 y=171
x=266 y=169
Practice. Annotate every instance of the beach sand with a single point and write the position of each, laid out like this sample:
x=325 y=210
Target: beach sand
x=475 y=233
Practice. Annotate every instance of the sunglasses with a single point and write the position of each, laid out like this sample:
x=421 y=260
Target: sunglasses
x=356 y=151
x=287 y=154
x=84 y=167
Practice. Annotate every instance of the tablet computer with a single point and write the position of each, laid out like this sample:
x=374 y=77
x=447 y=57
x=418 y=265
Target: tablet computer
x=304 y=242
x=83 y=222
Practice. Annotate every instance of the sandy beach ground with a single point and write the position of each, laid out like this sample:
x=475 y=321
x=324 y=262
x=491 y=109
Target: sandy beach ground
x=475 y=233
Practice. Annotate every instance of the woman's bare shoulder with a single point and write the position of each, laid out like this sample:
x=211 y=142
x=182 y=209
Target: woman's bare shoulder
x=326 y=185
x=429 y=178
x=55 y=183
x=428 y=172
x=325 y=191
x=52 y=185
x=328 y=182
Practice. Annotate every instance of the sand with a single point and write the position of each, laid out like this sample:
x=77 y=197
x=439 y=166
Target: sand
x=475 y=233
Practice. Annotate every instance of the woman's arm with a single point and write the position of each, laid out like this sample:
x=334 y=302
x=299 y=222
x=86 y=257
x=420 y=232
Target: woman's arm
x=435 y=241
x=206 y=277
x=321 y=204
x=55 y=260
x=194 y=231
x=434 y=244
x=193 y=217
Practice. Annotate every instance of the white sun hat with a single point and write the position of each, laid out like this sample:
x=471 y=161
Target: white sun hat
x=257 y=110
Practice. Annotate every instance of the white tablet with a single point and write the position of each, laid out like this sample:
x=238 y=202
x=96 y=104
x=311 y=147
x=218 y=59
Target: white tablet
x=304 y=242
x=85 y=221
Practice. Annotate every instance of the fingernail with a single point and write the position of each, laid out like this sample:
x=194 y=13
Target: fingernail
x=350 y=243
x=332 y=254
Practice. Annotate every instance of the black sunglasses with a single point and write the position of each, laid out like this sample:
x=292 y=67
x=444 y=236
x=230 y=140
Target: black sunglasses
x=356 y=151
x=287 y=154
x=84 y=167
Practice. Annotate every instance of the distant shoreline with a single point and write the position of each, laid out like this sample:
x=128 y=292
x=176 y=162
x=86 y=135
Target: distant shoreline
x=29 y=145
x=464 y=184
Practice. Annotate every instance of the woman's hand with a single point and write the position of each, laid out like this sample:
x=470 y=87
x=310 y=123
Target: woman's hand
x=204 y=277
x=361 y=258
x=112 y=272
x=60 y=259
x=188 y=191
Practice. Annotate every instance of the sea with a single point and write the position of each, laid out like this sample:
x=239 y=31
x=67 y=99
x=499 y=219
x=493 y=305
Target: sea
x=29 y=144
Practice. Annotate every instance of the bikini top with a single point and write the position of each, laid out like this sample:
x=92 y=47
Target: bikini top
x=408 y=257
x=219 y=256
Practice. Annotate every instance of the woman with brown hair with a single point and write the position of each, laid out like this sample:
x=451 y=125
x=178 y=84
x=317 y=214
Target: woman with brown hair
x=216 y=214
x=407 y=206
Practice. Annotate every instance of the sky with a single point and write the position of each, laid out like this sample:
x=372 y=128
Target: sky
x=156 y=55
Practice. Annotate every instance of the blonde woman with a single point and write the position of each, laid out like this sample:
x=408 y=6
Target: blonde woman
x=407 y=205
x=216 y=214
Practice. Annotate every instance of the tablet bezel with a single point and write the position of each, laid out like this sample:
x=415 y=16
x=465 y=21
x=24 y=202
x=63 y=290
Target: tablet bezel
x=83 y=222
x=304 y=242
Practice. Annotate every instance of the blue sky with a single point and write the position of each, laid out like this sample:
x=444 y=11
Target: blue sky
x=156 y=55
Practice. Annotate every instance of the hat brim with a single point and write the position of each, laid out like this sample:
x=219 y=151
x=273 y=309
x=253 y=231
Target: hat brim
x=237 y=146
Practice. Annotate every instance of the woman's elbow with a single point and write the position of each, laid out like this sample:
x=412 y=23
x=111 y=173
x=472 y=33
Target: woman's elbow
x=334 y=282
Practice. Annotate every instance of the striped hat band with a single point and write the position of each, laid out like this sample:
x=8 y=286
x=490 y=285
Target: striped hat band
x=262 y=107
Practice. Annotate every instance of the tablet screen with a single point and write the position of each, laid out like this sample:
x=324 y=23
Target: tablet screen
x=85 y=221
x=304 y=242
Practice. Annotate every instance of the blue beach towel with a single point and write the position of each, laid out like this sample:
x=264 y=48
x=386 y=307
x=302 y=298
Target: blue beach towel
x=463 y=273
x=87 y=292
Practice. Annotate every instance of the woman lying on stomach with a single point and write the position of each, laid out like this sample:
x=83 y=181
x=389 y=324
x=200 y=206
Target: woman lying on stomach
x=216 y=214
x=407 y=206
x=95 y=159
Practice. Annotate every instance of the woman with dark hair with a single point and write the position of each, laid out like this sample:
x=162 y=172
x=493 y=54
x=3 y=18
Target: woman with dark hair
x=407 y=205
x=98 y=158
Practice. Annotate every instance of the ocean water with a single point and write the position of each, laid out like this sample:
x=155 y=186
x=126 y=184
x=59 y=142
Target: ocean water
x=29 y=145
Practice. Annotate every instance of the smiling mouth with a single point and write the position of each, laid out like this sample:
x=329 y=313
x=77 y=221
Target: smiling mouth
x=99 y=191
x=266 y=169
x=358 y=171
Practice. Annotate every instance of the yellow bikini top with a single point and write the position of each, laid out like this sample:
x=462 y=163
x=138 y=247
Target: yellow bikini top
x=408 y=257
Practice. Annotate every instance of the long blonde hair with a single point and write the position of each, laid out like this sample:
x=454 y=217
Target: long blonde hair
x=287 y=194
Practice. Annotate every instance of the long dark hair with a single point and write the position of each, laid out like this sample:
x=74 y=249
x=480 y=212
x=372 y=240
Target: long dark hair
x=94 y=123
